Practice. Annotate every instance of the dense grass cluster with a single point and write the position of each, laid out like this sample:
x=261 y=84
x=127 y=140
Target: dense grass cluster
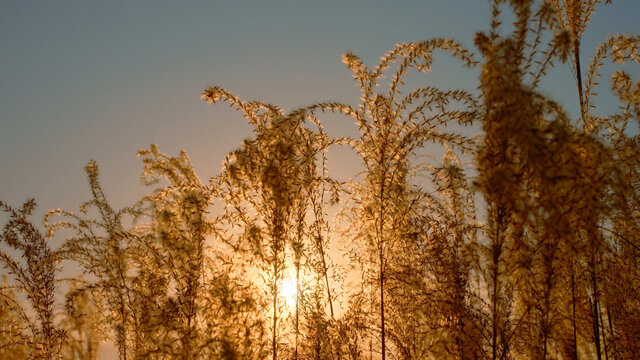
x=529 y=252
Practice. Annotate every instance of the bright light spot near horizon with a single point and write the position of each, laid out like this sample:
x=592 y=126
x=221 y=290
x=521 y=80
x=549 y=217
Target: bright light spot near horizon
x=289 y=291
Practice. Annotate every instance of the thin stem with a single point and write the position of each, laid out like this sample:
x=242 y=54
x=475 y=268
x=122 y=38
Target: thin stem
x=576 y=54
x=573 y=305
x=297 y=309
x=596 y=323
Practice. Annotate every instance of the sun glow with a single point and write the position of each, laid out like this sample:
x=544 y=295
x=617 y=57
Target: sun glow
x=289 y=291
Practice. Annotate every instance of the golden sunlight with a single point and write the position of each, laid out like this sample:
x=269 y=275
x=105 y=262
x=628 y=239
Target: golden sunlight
x=289 y=291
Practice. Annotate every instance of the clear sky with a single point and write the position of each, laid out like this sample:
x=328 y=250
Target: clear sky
x=102 y=79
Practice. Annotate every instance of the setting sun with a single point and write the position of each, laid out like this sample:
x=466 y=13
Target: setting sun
x=289 y=291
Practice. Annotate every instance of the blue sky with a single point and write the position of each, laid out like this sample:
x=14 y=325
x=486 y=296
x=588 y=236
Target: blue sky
x=102 y=79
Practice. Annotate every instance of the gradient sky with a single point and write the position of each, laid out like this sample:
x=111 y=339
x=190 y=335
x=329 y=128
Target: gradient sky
x=102 y=79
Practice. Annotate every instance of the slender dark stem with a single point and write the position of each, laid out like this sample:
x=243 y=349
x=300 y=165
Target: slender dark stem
x=604 y=335
x=576 y=53
x=613 y=344
x=297 y=309
x=573 y=304
x=596 y=323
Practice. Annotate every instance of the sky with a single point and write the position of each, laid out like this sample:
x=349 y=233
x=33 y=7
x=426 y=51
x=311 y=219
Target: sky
x=100 y=80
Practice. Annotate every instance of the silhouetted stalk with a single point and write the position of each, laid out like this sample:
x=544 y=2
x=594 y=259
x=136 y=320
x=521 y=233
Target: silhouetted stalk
x=382 y=337
x=113 y=243
x=121 y=336
x=121 y=330
x=371 y=261
x=325 y=270
x=297 y=308
x=494 y=331
x=576 y=56
x=275 y=322
x=550 y=248
x=381 y=255
x=496 y=254
x=594 y=309
x=275 y=306
x=326 y=279
x=615 y=350
x=277 y=272
x=317 y=209
x=573 y=308
x=545 y=324
x=297 y=250
x=604 y=336
x=35 y=276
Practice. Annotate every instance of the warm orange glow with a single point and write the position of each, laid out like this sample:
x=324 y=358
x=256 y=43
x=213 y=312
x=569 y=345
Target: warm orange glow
x=289 y=291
